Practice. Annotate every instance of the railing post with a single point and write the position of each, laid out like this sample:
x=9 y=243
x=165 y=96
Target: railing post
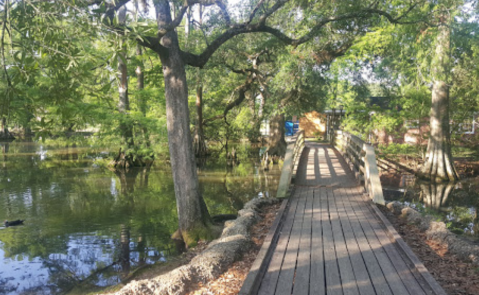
x=353 y=148
x=292 y=152
x=372 y=175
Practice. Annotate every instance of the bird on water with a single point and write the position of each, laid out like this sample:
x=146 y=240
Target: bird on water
x=13 y=223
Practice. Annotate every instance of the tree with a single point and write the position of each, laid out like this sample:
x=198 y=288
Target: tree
x=124 y=159
x=279 y=19
x=439 y=164
x=192 y=212
x=426 y=62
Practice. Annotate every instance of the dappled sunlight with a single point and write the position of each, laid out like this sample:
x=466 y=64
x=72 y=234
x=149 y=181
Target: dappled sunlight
x=330 y=242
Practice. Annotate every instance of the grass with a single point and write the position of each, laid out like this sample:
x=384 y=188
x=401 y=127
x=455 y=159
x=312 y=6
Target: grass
x=465 y=152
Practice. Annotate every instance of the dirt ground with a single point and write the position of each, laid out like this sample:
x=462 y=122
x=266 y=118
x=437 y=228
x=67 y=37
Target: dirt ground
x=455 y=276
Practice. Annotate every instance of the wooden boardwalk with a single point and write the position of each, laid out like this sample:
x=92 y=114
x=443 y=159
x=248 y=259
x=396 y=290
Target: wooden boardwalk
x=333 y=242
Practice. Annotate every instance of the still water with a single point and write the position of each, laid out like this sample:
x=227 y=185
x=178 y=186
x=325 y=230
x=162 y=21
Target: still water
x=456 y=204
x=87 y=226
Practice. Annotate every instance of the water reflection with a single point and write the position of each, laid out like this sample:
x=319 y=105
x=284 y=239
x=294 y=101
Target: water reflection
x=453 y=203
x=125 y=250
x=5 y=148
x=90 y=227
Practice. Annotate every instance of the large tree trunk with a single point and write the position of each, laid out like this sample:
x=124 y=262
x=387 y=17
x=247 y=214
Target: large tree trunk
x=435 y=195
x=439 y=165
x=277 y=143
x=193 y=216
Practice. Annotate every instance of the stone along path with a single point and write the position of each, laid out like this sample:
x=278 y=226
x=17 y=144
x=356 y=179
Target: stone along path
x=333 y=242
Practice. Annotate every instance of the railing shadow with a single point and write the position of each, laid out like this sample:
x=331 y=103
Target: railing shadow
x=319 y=165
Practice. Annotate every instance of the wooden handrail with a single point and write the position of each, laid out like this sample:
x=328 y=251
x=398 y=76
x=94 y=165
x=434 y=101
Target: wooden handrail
x=362 y=160
x=291 y=157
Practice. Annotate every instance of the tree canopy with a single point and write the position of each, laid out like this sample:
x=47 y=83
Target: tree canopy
x=143 y=73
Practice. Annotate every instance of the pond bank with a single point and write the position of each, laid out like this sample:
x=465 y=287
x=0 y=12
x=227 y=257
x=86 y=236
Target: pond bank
x=88 y=227
x=454 y=203
x=235 y=241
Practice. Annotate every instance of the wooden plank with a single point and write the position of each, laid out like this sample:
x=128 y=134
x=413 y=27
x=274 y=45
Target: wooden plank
x=301 y=281
x=374 y=270
x=317 y=281
x=360 y=271
x=431 y=285
x=324 y=170
x=390 y=273
x=260 y=265
x=270 y=279
x=333 y=282
x=286 y=275
x=348 y=280
x=399 y=264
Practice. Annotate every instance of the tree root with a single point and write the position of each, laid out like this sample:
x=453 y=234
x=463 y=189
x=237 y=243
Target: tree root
x=7 y=136
x=438 y=232
x=212 y=262
x=124 y=161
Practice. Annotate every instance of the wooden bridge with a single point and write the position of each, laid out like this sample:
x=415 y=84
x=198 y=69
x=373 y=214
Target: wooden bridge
x=329 y=237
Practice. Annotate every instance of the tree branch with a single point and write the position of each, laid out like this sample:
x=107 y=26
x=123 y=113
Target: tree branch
x=255 y=10
x=224 y=12
x=179 y=17
x=153 y=43
x=200 y=60
x=241 y=97
x=326 y=56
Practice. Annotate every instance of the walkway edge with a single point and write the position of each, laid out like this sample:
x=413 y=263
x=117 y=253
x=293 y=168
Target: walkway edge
x=260 y=265
x=398 y=240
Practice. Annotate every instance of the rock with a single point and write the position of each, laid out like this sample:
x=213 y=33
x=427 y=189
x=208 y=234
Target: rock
x=395 y=207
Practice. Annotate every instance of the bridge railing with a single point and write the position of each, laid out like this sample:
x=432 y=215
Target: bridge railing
x=290 y=161
x=362 y=160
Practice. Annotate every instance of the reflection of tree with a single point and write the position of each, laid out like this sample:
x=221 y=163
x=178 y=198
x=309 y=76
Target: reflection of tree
x=435 y=195
x=145 y=172
x=5 y=148
x=234 y=199
x=125 y=250
x=70 y=205
x=68 y=208
x=127 y=179
x=69 y=154
x=141 y=248
x=267 y=181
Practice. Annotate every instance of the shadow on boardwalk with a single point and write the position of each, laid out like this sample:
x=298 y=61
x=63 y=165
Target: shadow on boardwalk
x=319 y=165
x=332 y=241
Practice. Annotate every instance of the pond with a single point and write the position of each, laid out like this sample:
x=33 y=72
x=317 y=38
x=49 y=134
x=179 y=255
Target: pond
x=88 y=226
x=456 y=204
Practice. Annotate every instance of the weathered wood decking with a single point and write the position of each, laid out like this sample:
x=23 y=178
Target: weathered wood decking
x=332 y=241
